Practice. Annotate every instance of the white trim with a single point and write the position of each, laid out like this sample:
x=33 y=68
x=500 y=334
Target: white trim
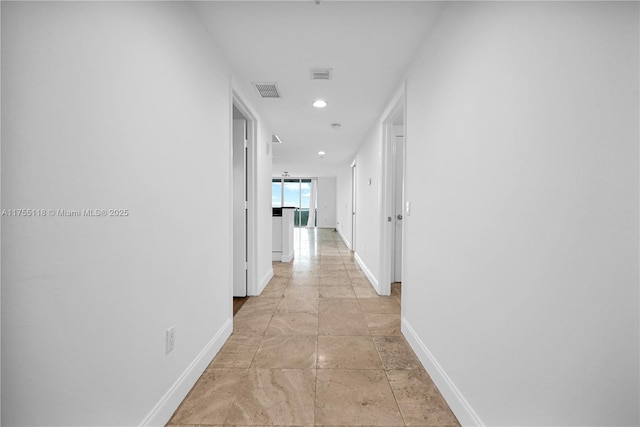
x=287 y=257
x=367 y=272
x=385 y=191
x=238 y=98
x=458 y=404
x=344 y=239
x=265 y=281
x=164 y=409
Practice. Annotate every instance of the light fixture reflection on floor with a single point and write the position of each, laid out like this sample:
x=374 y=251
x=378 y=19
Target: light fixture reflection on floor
x=321 y=154
x=319 y=103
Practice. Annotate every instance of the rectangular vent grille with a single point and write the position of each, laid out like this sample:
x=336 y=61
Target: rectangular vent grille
x=321 y=73
x=267 y=90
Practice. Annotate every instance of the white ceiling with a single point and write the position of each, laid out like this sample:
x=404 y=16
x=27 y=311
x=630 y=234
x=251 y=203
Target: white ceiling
x=369 y=45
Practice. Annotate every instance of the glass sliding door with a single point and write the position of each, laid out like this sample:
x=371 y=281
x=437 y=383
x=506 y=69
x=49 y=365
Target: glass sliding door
x=276 y=193
x=299 y=194
x=305 y=202
x=291 y=198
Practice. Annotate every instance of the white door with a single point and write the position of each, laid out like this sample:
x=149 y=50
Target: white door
x=397 y=203
x=353 y=207
x=239 y=208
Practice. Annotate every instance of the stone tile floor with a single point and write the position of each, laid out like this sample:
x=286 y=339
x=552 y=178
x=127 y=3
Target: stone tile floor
x=318 y=347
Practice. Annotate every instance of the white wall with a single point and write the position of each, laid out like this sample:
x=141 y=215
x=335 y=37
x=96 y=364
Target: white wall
x=368 y=165
x=344 y=203
x=326 y=202
x=264 y=270
x=521 y=253
x=112 y=105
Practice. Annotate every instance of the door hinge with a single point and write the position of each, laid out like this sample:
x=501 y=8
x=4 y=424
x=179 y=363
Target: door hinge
x=246 y=143
x=246 y=265
x=246 y=204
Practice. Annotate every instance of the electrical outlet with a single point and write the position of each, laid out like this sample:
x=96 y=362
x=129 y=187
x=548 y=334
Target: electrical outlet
x=170 y=339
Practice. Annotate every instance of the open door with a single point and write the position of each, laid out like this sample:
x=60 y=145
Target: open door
x=398 y=153
x=391 y=192
x=239 y=204
x=353 y=206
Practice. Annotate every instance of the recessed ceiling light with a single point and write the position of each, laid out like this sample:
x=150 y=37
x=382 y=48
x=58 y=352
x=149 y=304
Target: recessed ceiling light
x=321 y=153
x=319 y=103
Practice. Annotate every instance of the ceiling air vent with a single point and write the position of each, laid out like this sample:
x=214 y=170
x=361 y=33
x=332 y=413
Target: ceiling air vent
x=321 y=73
x=267 y=90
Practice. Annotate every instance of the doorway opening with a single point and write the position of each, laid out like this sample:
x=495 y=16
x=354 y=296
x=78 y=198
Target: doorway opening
x=240 y=205
x=243 y=174
x=392 y=195
x=353 y=206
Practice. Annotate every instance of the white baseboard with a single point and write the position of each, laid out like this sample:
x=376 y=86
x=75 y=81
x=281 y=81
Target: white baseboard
x=458 y=404
x=344 y=239
x=367 y=272
x=288 y=257
x=265 y=281
x=164 y=409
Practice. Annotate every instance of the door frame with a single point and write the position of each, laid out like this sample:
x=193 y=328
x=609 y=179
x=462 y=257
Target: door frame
x=353 y=212
x=386 y=191
x=238 y=100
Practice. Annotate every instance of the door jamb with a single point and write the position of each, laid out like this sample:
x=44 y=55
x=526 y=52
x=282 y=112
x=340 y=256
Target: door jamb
x=386 y=210
x=238 y=99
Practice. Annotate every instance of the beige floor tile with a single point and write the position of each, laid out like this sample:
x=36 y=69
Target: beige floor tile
x=298 y=305
x=211 y=398
x=232 y=360
x=237 y=352
x=260 y=304
x=278 y=281
x=335 y=281
x=251 y=324
x=360 y=282
x=275 y=397
x=382 y=305
x=383 y=324
x=347 y=352
x=355 y=397
x=302 y=292
x=272 y=291
x=356 y=275
x=293 y=324
x=341 y=275
x=286 y=352
x=396 y=353
x=331 y=259
x=333 y=267
x=420 y=402
x=242 y=344
x=342 y=324
x=282 y=272
x=336 y=292
x=303 y=274
x=308 y=281
x=339 y=306
x=365 y=291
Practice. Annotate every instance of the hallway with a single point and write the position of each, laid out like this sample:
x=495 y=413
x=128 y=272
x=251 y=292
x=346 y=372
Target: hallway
x=318 y=347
